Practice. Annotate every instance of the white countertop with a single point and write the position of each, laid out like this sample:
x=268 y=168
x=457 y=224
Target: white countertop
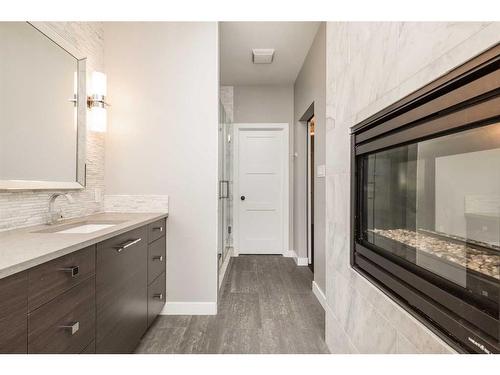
x=24 y=248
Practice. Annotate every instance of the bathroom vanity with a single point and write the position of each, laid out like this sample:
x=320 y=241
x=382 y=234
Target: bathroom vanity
x=91 y=285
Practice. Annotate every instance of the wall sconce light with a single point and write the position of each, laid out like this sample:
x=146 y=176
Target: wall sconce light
x=97 y=103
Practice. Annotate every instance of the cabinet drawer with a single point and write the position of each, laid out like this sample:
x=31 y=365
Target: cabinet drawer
x=119 y=259
x=13 y=310
x=90 y=349
x=156 y=297
x=157 y=230
x=50 y=279
x=121 y=292
x=66 y=324
x=157 y=253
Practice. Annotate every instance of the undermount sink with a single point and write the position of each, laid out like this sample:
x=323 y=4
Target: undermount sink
x=86 y=228
x=82 y=227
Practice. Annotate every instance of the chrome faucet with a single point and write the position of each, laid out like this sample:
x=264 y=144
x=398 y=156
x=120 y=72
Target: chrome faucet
x=54 y=216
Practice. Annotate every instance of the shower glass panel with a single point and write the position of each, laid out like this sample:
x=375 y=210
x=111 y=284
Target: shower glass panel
x=225 y=239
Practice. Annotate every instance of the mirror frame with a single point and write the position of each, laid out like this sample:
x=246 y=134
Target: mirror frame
x=81 y=144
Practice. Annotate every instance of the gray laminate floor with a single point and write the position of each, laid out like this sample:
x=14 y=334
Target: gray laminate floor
x=265 y=306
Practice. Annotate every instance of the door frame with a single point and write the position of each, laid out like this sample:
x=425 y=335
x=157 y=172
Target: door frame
x=309 y=198
x=285 y=202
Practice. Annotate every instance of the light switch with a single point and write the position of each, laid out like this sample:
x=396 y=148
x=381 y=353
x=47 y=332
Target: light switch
x=321 y=171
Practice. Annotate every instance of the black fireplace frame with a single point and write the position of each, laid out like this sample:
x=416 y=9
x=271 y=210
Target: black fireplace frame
x=464 y=98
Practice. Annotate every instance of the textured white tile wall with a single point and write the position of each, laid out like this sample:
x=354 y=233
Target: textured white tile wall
x=369 y=66
x=18 y=209
x=136 y=203
x=227 y=100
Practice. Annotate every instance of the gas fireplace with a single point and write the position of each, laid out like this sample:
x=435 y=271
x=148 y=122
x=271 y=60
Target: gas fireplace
x=426 y=203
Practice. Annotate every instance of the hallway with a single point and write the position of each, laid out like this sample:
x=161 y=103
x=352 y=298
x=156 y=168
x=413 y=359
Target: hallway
x=266 y=306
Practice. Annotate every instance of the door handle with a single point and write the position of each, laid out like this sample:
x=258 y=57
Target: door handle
x=242 y=197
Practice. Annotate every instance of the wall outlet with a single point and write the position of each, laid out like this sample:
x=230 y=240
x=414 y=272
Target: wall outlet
x=321 y=171
x=98 y=195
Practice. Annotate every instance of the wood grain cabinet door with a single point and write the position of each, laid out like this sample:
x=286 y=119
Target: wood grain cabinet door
x=13 y=310
x=50 y=279
x=156 y=297
x=121 y=292
x=157 y=230
x=157 y=259
x=65 y=324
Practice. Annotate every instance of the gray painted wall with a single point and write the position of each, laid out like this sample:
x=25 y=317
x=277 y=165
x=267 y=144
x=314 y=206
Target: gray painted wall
x=162 y=140
x=265 y=104
x=310 y=87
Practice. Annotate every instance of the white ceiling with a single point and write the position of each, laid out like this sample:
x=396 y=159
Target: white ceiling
x=291 y=41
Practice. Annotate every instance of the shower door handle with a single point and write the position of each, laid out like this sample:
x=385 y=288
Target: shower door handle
x=223 y=189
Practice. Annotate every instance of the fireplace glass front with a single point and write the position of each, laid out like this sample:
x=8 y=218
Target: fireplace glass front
x=433 y=207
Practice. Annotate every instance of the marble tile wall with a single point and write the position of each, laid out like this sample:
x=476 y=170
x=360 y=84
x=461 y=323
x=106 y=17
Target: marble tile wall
x=369 y=66
x=18 y=209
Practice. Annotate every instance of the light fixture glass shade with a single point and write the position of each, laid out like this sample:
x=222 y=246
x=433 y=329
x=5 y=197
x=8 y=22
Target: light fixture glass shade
x=99 y=84
x=98 y=119
x=97 y=113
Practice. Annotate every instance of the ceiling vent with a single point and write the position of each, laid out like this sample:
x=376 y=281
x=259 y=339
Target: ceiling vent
x=262 y=55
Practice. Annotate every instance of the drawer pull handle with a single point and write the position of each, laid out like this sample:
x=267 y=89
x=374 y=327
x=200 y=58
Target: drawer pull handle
x=158 y=258
x=73 y=271
x=127 y=244
x=158 y=296
x=158 y=228
x=72 y=328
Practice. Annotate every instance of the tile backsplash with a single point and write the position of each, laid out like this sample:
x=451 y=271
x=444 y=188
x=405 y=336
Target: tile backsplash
x=136 y=203
x=20 y=209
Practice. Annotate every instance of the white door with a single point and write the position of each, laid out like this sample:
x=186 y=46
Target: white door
x=261 y=188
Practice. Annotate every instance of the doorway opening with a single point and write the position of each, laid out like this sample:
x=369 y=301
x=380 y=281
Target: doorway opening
x=310 y=192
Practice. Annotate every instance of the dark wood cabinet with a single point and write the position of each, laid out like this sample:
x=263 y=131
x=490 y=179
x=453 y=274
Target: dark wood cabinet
x=156 y=297
x=157 y=257
x=13 y=310
x=90 y=349
x=100 y=299
x=156 y=230
x=50 y=279
x=65 y=324
x=121 y=298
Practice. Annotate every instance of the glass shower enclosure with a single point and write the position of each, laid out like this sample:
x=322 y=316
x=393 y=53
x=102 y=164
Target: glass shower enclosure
x=225 y=209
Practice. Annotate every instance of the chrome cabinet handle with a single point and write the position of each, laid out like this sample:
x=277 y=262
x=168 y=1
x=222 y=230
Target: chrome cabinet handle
x=158 y=258
x=158 y=296
x=73 y=271
x=127 y=244
x=158 y=228
x=72 y=328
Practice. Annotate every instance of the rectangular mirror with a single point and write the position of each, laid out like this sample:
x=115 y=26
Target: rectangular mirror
x=42 y=110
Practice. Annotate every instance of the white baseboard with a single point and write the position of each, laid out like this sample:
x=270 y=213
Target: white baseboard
x=301 y=261
x=190 y=308
x=319 y=294
x=223 y=268
x=298 y=261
